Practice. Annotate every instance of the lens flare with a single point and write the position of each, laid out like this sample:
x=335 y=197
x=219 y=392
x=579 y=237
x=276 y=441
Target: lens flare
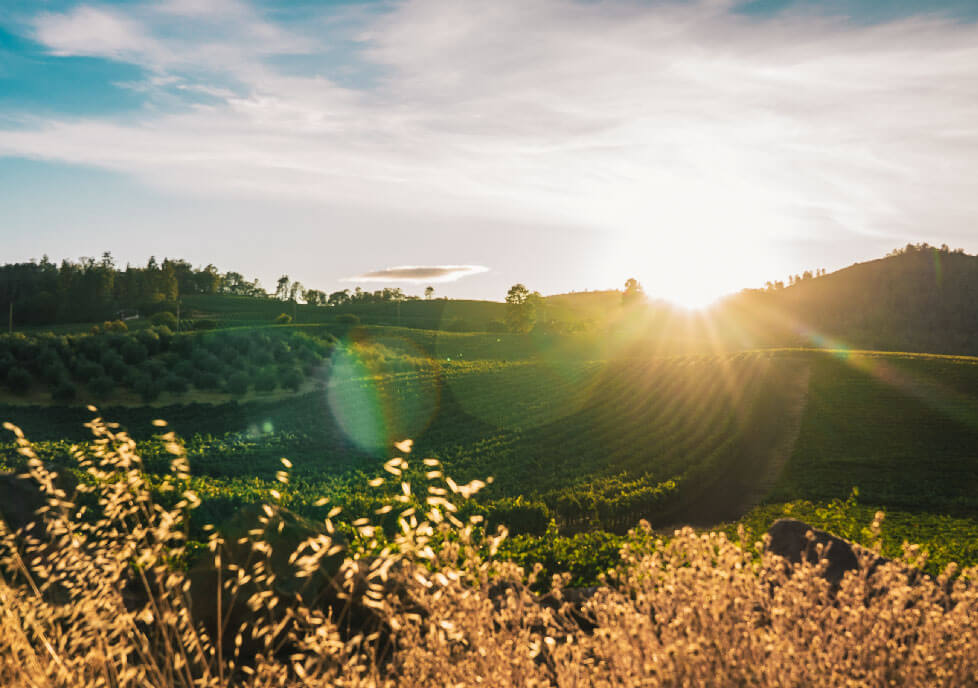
x=381 y=393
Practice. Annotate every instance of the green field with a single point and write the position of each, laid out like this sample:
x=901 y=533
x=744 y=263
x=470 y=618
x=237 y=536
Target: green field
x=582 y=437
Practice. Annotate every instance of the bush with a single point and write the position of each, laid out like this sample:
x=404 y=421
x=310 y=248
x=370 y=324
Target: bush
x=230 y=356
x=348 y=319
x=283 y=319
x=147 y=389
x=165 y=334
x=156 y=303
x=204 y=359
x=266 y=381
x=292 y=379
x=134 y=352
x=262 y=358
x=165 y=319
x=50 y=366
x=19 y=380
x=118 y=369
x=175 y=384
x=114 y=326
x=154 y=368
x=48 y=357
x=184 y=368
x=496 y=325
x=238 y=384
x=107 y=355
x=281 y=351
x=55 y=373
x=204 y=379
x=101 y=386
x=87 y=370
x=205 y=324
x=150 y=340
x=64 y=392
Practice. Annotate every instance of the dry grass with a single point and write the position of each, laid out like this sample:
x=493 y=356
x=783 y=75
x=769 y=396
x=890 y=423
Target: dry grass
x=95 y=600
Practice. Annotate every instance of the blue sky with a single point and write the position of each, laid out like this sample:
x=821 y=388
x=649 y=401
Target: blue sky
x=701 y=147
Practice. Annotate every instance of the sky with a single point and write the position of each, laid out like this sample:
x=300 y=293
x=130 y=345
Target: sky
x=700 y=147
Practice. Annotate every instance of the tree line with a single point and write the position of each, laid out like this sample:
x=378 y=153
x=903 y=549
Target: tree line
x=97 y=289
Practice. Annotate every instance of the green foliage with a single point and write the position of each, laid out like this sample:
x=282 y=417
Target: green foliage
x=149 y=339
x=134 y=352
x=943 y=538
x=87 y=370
x=175 y=384
x=589 y=445
x=205 y=324
x=206 y=380
x=521 y=308
x=292 y=379
x=348 y=319
x=238 y=383
x=19 y=380
x=64 y=392
x=266 y=380
x=117 y=326
x=283 y=319
x=585 y=556
x=101 y=386
x=147 y=388
x=165 y=319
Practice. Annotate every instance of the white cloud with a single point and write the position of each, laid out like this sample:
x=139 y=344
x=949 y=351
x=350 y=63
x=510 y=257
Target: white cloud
x=93 y=32
x=672 y=125
x=419 y=273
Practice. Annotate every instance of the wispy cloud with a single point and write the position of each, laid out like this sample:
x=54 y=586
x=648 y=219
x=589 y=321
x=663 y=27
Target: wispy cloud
x=671 y=124
x=419 y=273
x=94 y=32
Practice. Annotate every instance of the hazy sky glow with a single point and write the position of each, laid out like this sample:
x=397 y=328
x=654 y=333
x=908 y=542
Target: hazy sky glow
x=700 y=147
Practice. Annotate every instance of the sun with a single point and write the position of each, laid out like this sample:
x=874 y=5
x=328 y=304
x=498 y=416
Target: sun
x=691 y=284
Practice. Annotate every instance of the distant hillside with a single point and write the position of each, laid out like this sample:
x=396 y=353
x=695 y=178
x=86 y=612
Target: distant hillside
x=917 y=299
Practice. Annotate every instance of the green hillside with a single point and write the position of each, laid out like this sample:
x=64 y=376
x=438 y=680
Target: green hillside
x=920 y=299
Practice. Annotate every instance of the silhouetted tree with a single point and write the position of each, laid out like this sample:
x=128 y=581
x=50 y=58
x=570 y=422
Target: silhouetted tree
x=633 y=292
x=338 y=298
x=520 y=309
x=282 y=288
x=295 y=290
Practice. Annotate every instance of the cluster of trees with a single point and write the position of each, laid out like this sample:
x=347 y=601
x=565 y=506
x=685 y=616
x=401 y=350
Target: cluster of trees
x=154 y=360
x=90 y=289
x=924 y=247
x=794 y=279
x=526 y=310
x=93 y=289
x=292 y=291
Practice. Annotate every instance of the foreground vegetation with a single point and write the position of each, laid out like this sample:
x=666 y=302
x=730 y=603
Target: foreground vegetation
x=106 y=599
